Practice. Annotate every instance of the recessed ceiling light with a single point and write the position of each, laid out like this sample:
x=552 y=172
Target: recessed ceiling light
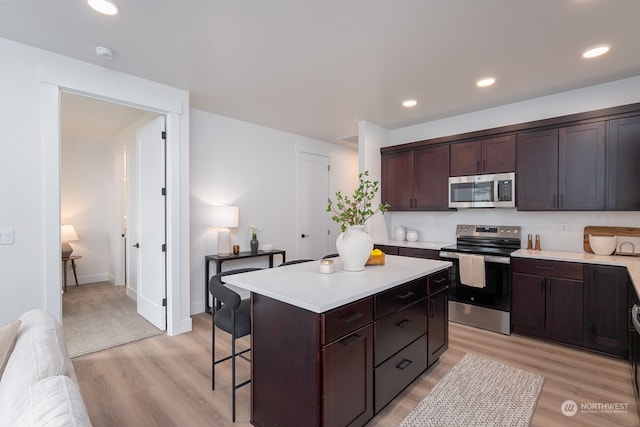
x=487 y=81
x=409 y=103
x=106 y=7
x=595 y=51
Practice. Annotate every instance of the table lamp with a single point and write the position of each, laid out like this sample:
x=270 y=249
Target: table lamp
x=67 y=234
x=222 y=218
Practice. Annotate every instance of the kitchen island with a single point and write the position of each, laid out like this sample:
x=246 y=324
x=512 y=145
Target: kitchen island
x=334 y=349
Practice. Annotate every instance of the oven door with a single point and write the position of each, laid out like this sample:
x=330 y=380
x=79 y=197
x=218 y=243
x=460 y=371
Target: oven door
x=497 y=291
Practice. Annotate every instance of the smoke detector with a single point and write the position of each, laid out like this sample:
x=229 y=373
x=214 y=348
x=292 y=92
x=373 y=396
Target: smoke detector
x=104 y=52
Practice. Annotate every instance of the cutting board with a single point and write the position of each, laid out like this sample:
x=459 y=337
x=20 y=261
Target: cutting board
x=624 y=236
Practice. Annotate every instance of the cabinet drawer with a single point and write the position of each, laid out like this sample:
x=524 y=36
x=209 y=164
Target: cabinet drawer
x=438 y=281
x=419 y=253
x=401 y=296
x=399 y=371
x=343 y=320
x=398 y=329
x=541 y=267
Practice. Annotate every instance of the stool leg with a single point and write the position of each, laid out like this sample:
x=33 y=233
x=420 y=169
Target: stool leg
x=233 y=368
x=213 y=349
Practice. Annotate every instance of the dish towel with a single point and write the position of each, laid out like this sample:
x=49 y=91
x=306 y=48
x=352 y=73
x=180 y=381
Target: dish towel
x=472 y=270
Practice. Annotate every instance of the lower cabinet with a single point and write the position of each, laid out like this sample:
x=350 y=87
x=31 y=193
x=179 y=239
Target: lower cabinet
x=438 y=325
x=419 y=253
x=548 y=299
x=348 y=379
x=607 y=310
x=583 y=305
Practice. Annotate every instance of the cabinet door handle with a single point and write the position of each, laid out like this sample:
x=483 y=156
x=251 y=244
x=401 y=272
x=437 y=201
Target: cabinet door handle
x=440 y=280
x=350 y=340
x=405 y=295
x=478 y=166
x=403 y=323
x=484 y=165
x=541 y=267
x=432 y=307
x=352 y=317
x=403 y=365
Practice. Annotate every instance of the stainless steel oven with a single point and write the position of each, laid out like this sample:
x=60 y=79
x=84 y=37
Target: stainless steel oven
x=488 y=305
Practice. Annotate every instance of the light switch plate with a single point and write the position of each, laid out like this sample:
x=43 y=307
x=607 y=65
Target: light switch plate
x=6 y=236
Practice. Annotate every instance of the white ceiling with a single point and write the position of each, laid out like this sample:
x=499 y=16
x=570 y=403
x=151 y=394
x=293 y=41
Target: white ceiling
x=317 y=67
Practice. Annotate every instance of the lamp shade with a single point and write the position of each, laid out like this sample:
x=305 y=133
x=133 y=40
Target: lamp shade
x=224 y=216
x=68 y=233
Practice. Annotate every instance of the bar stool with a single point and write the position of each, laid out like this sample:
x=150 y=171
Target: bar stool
x=234 y=317
x=295 y=261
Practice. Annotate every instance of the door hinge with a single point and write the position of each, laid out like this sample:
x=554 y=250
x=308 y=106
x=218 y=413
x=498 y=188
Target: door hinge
x=164 y=302
x=163 y=191
x=163 y=135
x=164 y=247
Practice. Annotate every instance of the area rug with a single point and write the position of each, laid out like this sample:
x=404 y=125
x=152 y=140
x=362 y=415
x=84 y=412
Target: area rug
x=98 y=316
x=479 y=392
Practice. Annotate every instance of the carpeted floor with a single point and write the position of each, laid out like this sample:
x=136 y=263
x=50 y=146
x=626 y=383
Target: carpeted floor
x=98 y=316
x=479 y=392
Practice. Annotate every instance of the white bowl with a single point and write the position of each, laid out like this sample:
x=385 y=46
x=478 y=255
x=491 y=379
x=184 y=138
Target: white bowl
x=602 y=245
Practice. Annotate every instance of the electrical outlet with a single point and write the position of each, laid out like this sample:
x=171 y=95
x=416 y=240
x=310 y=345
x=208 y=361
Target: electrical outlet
x=6 y=236
x=564 y=228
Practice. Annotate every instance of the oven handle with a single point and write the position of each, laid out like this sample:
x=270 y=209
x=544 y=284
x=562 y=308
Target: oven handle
x=487 y=258
x=634 y=317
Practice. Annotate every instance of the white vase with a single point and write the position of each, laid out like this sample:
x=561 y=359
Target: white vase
x=354 y=247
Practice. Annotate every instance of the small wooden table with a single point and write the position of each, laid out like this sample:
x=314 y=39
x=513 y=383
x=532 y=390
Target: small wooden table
x=73 y=259
x=219 y=259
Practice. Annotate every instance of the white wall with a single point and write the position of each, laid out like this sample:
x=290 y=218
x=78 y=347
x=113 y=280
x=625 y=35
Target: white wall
x=252 y=167
x=440 y=226
x=86 y=202
x=30 y=176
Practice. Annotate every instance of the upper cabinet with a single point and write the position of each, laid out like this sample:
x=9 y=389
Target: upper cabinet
x=623 y=163
x=416 y=180
x=485 y=156
x=583 y=162
x=562 y=169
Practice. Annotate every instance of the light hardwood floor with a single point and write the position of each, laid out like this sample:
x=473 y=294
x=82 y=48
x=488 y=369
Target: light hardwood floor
x=166 y=381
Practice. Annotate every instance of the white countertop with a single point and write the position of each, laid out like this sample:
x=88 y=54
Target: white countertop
x=631 y=263
x=303 y=286
x=420 y=245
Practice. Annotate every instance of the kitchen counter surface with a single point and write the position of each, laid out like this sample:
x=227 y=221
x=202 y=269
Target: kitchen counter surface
x=303 y=286
x=421 y=245
x=631 y=263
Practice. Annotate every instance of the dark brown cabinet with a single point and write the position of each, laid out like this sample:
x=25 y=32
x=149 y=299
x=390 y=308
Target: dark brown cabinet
x=623 y=160
x=438 y=312
x=578 y=304
x=389 y=250
x=419 y=253
x=416 y=180
x=548 y=300
x=340 y=367
x=491 y=155
x=562 y=169
x=607 y=310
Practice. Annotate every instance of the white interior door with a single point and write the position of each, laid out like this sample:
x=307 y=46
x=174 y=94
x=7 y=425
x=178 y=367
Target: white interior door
x=313 y=233
x=151 y=223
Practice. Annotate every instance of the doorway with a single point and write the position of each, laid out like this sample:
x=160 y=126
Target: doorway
x=98 y=182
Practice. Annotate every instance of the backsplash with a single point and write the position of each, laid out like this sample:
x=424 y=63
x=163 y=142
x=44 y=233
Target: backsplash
x=440 y=226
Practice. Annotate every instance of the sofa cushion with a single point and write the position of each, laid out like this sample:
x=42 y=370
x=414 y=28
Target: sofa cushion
x=39 y=352
x=8 y=334
x=52 y=402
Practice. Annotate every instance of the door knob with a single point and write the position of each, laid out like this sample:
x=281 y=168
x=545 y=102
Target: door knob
x=305 y=235
x=137 y=245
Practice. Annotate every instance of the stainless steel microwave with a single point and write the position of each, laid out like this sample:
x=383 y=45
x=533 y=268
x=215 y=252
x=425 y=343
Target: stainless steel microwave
x=483 y=191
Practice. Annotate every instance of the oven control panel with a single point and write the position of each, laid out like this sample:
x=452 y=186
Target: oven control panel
x=500 y=231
